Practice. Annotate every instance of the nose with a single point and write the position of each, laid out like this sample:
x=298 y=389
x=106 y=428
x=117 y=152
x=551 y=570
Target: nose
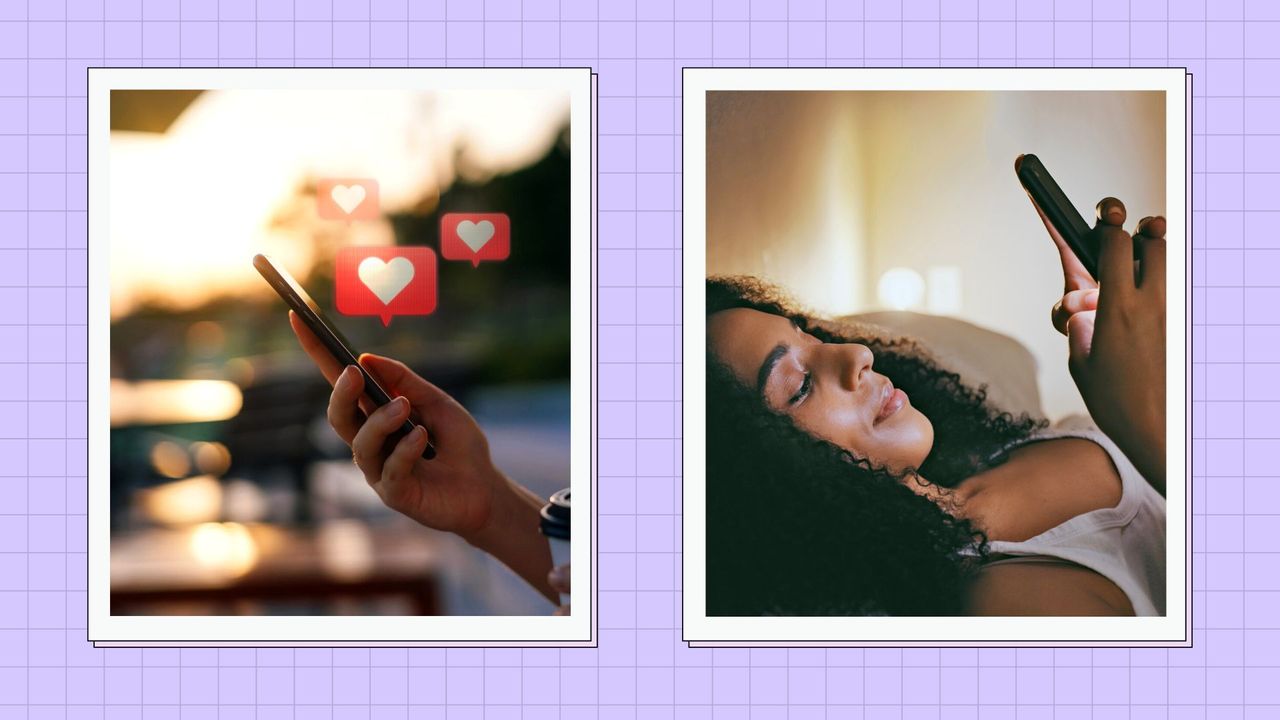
x=857 y=359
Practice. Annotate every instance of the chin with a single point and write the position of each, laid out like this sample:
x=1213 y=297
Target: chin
x=926 y=435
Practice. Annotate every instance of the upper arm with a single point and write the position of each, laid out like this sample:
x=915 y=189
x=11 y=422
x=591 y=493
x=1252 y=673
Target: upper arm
x=1048 y=588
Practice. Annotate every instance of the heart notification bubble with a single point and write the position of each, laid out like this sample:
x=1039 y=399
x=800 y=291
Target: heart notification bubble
x=347 y=199
x=475 y=237
x=385 y=281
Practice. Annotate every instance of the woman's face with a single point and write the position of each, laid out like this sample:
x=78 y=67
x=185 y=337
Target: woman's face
x=829 y=389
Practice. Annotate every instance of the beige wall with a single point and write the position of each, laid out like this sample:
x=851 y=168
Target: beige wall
x=823 y=192
x=785 y=197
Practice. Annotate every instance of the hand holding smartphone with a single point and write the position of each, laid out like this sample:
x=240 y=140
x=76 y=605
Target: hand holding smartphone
x=310 y=313
x=1061 y=213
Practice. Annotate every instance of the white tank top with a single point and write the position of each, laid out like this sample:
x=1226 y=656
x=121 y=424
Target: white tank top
x=1125 y=543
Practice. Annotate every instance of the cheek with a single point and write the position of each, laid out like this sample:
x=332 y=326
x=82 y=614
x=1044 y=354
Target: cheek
x=839 y=424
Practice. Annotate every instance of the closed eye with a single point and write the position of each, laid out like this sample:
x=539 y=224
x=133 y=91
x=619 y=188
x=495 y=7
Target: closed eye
x=805 y=387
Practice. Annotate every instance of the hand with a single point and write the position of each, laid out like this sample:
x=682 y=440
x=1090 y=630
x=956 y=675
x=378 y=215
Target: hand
x=460 y=490
x=1117 y=352
x=453 y=492
x=558 y=578
x=1079 y=289
x=1116 y=338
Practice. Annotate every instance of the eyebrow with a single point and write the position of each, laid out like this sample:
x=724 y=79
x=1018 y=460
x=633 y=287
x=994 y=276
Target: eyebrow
x=770 y=362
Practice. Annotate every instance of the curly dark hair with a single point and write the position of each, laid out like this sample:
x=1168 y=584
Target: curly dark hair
x=797 y=525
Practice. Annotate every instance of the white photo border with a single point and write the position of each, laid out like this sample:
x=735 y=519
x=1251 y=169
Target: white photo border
x=576 y=629
x=1170 y=630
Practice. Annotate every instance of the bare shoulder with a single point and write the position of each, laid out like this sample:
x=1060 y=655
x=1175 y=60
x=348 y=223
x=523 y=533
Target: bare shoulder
x=1045 y=588
x=1043 y=484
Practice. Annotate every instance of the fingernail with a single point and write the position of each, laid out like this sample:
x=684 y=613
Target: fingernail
x=345 y=376
x=1111 y=210
x=559 y=575
x=402 y=405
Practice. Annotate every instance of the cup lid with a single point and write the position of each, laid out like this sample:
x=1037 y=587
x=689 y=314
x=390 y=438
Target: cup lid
x=555 y=516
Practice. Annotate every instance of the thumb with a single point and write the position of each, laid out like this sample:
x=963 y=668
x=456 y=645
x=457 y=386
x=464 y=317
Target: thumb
x=399 y=379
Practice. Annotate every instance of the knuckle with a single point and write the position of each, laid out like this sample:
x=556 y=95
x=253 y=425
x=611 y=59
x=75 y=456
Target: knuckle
x=394 y=495
x=1112 y=234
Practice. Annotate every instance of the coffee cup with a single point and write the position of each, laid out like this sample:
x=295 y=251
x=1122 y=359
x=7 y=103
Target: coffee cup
x=554 y=525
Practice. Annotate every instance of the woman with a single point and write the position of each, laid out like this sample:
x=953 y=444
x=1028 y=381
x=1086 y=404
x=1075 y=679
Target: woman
x=847 y=473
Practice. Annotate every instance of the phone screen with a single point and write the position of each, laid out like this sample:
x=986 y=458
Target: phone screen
x=311 y=314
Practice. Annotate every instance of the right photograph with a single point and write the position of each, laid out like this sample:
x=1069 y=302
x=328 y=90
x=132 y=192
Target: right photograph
x=944 y=327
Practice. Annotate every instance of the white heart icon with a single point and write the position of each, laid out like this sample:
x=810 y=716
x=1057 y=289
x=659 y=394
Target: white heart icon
x=475 y=235
x=385 y=279
x=347 y=197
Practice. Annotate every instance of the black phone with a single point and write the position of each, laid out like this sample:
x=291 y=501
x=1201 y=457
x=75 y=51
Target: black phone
x=1061 y=213
x=311 y=314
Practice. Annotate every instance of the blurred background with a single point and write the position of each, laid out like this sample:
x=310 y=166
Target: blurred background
x=858 y=202
x=230 y=493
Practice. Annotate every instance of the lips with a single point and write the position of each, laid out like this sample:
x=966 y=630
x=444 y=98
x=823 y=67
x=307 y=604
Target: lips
x=891 y=402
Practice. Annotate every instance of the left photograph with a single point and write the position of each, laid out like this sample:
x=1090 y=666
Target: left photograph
x=341 y=341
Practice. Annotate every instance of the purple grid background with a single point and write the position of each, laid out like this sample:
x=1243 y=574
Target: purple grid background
x=640 y=670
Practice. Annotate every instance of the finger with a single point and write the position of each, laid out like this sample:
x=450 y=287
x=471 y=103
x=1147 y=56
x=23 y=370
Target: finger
x=399 y=465
x=1115 y=267
x=320 y=355
x=329 y=366
x=1080 y=301
x=344 y=413
x=1072 y=303
x=558 y=578
x=1110 y=212
x=397 y=377
x=372 y=436
x=1153 y=264
x=1152 y=227
x=1059 y=317
x=1080 y=341
x=431 y=406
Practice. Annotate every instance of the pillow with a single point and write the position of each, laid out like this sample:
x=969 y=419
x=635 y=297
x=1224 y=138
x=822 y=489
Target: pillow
x=980 y=356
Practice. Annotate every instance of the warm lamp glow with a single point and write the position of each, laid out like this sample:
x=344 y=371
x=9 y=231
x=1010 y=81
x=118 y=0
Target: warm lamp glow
x=346 y=549
x=170 y=459
x=226 y=547
x=901 y=289
x=212 y=458
x=184 y=502
x=162 y=402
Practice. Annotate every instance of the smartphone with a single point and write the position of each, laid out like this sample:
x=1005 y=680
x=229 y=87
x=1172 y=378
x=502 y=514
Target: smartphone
x=1061 y=213
x=311 y=314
